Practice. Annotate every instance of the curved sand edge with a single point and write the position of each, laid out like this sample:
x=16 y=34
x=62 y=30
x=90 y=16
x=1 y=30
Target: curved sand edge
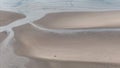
x=83 y=46
x=7 y=17
x=75 y=20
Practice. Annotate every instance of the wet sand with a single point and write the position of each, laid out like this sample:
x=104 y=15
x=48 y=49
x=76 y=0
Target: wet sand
x=99 y=47
x=80 y=20
x=8 y=17
x=3 y=35
x=8 y=58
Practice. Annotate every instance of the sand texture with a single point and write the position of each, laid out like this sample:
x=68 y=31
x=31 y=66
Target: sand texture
x=8 y=59
x=74 y=36
x=87 y=46
x=8 y=17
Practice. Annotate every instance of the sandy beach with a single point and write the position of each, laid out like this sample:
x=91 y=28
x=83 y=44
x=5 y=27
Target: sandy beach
x=7 y=17
x=99 y=47
x=8 y=59
x=60 y=40
x=80 y=20
x=3 y=35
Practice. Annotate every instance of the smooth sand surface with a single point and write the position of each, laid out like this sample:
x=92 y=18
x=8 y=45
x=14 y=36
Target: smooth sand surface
x=7 y=17
x=3 y=35
x=103 y=47
x=80 y=20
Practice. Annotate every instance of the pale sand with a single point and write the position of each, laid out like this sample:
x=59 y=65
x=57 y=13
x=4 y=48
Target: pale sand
x=103 y=47
x=8 y=17
x=80 y=19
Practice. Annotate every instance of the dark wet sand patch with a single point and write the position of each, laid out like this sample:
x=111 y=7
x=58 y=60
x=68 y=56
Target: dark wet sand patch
x=7 y=17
